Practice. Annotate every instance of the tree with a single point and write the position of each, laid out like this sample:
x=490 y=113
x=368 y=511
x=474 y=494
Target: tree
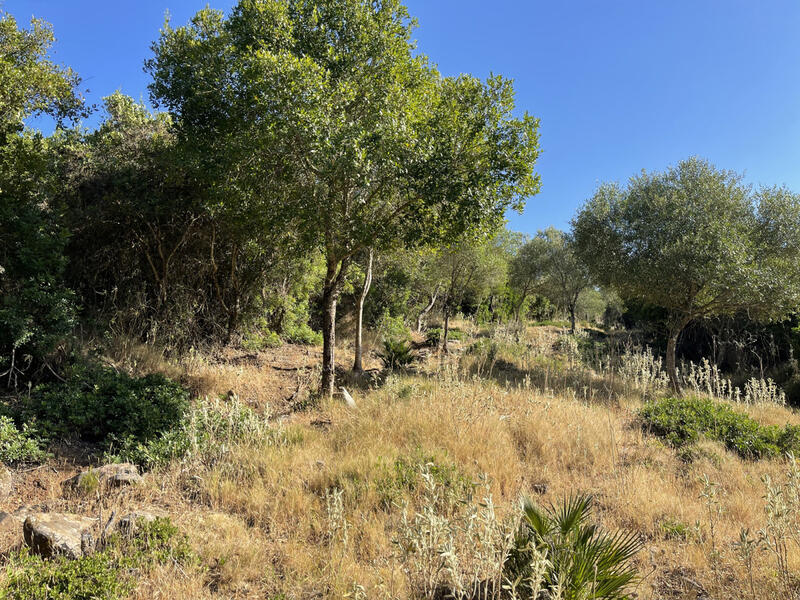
x=526 y=271
x=565 y=276
x=695 y=241
x=470 y=267
x=358 y=367
x=36 y=309
x=323 y=111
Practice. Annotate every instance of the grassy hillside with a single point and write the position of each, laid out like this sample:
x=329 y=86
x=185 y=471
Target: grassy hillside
x=418 y=489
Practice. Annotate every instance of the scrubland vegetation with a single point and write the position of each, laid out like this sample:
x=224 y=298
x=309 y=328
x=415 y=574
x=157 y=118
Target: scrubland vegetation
x=606 y=412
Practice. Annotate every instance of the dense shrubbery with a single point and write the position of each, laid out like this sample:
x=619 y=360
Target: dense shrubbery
x=107 y=574
x=682 y=421
x=100 y=405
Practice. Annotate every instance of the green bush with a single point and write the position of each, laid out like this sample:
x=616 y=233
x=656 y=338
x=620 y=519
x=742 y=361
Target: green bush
x=301 y=333
x=260 y=340
x=397 y=354
x=98 y=404
x=19 y=446
x=109 y=574
x=433 y=337
x=208 y=429
x=571 y=554
x=683 y=421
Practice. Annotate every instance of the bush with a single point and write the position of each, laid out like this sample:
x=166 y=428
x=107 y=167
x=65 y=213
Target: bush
x=558 y=548
x=19 y=446
x=397 y=354
x=208 y=429
x=433 y=337
x=404 y=475
x=98 y=404
x=682 y=421
x=106 y=575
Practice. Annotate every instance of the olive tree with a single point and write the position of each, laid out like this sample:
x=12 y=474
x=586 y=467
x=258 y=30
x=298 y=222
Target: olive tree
x=695 y=241
x=324 y=111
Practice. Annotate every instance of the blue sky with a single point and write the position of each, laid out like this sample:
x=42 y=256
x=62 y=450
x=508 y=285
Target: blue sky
x=619 y=85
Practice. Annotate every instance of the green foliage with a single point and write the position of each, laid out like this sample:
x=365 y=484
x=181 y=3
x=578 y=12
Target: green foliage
x=36 y=310
x=695 y=241
x=682 y=421
x=205 y=432
x=571 y=554
x=393 y=328
x=403 y=476
x=99 y=404
x=260 y=340
x=109 y=574
x=19 y=447
x=397 y=354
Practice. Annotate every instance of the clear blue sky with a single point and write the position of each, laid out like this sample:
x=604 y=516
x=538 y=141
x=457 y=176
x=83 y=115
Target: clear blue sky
x=619 y=85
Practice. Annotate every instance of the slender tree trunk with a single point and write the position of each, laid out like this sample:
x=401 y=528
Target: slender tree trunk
x=675 y=329
x=330 y=295
x=328 y=340
x=572 y=309
x=446 y=326
x=426 y=310
x=357 y=363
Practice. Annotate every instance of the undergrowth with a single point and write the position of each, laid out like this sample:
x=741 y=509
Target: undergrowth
x=683 y=421
x=109 y=574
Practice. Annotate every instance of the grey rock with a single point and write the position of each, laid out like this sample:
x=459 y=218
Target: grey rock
x=49 y=534
x=108 y=476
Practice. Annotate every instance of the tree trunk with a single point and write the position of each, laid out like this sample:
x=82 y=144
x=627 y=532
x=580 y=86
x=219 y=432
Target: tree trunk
x=328 y=339
x=572 y=309
x=334 y=277
x=446 y=326
x=357 y=363
x=426 y=310
x=675 y=329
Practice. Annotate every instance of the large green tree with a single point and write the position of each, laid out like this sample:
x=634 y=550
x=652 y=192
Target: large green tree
x=322 y=109
x=695 y=241
x=36 y=309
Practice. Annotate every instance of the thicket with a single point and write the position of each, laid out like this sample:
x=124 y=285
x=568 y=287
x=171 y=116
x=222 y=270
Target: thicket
x=683 y=421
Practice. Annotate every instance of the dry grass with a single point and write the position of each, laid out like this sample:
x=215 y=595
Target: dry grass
x=261 y=518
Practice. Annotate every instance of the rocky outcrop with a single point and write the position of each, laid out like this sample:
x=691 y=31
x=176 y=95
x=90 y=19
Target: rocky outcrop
x=50 y=534
x=108 y=476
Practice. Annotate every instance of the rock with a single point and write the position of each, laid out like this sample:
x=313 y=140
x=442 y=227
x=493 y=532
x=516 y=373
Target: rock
x=8 y=522
x=127 y=524
x=48 y=534
x=112 y=475
x=540 y=488
x=6 y=483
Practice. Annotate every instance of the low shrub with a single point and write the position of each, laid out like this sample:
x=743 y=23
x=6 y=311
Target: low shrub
x=206 y=431
x=397 y=354
x=259 y=340
x=558 y=550
x=99 y=404
x=433 y=337
x=19 y=447
x=404 y=476
x=682 y=421
x=109 y=574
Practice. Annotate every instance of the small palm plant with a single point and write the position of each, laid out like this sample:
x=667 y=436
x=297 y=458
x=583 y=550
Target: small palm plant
x=583 y=562
x=397 y=354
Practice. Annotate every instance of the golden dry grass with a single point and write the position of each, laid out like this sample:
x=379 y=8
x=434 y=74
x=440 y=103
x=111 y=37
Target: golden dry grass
x=258 y=518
